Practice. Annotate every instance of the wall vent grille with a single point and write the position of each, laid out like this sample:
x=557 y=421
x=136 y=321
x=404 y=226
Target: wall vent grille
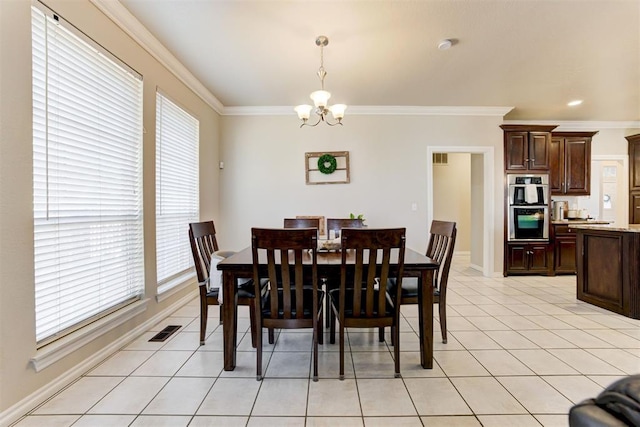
x=440 y=158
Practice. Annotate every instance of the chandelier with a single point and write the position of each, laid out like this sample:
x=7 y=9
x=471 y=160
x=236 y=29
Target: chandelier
x=321 y=97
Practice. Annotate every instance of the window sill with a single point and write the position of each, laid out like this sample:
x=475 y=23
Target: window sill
x=175 y=285
x=61 y=348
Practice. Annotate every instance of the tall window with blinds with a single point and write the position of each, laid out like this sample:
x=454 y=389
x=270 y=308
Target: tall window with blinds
x=87 y=178
x=177 y=136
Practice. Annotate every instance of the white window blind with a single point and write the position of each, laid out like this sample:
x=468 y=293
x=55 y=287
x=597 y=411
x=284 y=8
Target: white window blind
x=87 y=180
x=177 y=136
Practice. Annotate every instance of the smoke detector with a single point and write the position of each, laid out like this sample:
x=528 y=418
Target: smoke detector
x=445 y=44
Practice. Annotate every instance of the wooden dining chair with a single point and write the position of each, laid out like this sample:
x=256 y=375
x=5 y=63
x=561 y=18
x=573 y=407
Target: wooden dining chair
x=202 y=236
x=302 y=223
x=363 y=300
x=442 y=241
x=337 y=224
x=290 y=304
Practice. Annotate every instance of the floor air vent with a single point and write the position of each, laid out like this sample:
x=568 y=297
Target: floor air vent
x=165 y=333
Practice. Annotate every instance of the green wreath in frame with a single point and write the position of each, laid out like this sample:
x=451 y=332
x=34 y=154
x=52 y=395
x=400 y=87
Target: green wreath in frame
x=327 y=164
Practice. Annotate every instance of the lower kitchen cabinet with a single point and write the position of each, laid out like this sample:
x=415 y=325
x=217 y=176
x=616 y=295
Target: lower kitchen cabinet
x=528 y=258
x=564 y=249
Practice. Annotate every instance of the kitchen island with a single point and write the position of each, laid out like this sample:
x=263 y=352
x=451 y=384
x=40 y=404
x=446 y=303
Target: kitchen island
x=608 y=267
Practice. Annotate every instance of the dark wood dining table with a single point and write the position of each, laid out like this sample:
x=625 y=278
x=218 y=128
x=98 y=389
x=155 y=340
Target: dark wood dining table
x=240 y=265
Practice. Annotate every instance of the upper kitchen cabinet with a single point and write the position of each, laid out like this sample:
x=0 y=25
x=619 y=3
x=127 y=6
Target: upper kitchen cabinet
x=634 y=162
x=570 y=163
x=526 y=147
x=634 y=179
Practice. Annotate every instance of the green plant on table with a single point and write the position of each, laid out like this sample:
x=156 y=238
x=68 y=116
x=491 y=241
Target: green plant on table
x=359 y=216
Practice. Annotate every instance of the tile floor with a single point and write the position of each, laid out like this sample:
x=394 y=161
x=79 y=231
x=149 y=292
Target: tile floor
x=521 y=351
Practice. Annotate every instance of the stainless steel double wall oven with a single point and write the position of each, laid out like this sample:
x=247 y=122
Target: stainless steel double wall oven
x=528 y=204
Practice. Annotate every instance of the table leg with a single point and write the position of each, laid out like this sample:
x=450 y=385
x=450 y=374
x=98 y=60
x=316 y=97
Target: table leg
x=229 y=319
x=425 y=310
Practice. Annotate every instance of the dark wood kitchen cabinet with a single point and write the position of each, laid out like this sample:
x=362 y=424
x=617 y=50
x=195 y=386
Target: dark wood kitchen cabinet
x=526 y=147
x=608 y=262
x=564 y=249
x=570 y=163
x=527 y=258
x=634 y=179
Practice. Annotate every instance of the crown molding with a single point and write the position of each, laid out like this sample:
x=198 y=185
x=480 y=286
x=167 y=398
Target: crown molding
x=121 y=16
x=564 y=126
x=366 y=110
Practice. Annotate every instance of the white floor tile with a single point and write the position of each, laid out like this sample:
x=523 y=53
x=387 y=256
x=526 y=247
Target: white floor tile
x=161 y=421
x=331 y=397
x=80 y=396
x=436 y=396
x=104 y=420
x=511 y=340
x=628 y=362
x=211 y=421
x=485 y=395
x=574 y=387
x=130 y=396
x=333 y=421
x=508 y=420
x=259 y=421
x=459 y=364
x=289 y=364
x=203 y=364
x=584 y=362
x=542 y=362
x=230 y=396
x=392 y=421
x=501 y=362
x=47 y=420
x=536 y=395
x=546 y=339
x=475 y=340
x=281 y=397
x=451 y=421
x=122 y=363
x=180 y=396
x=163 y=363
x=385 y=397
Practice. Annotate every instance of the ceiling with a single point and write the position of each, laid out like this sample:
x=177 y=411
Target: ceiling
x=533 y=55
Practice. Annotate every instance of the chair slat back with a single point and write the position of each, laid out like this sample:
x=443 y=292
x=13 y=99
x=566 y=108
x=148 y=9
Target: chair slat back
x=302 y=223
x=373 y=249
x=202 y=236
x=286 y=252
x=337 y=224
x=440 y=248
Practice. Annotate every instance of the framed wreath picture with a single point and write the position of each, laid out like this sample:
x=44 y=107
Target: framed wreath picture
x=327 y=167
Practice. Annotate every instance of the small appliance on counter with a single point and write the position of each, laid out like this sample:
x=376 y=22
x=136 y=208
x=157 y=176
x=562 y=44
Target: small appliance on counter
x=559 y=210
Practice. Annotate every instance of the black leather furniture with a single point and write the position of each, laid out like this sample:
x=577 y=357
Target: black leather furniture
x=617 y=405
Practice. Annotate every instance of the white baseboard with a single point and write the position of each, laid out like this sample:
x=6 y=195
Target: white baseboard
x=14 y=412
x=476 y=267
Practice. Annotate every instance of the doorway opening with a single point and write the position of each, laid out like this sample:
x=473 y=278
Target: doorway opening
x=609 y=199
x=479 y=197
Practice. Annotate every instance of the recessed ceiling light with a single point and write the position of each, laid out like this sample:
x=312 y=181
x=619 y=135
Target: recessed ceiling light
x=575 y=103
x=445 y=44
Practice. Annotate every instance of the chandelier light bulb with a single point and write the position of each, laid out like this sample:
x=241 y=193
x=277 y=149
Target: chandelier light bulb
x=337 y=110
x=304 y=111
x=320 y=98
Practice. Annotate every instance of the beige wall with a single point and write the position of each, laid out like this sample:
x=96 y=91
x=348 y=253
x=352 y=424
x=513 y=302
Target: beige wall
x=17 y=333
x=263 y=180
x=477 y=218
x=452 y=196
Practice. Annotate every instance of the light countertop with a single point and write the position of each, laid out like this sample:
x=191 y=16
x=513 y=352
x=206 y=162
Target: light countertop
x=631 y=228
